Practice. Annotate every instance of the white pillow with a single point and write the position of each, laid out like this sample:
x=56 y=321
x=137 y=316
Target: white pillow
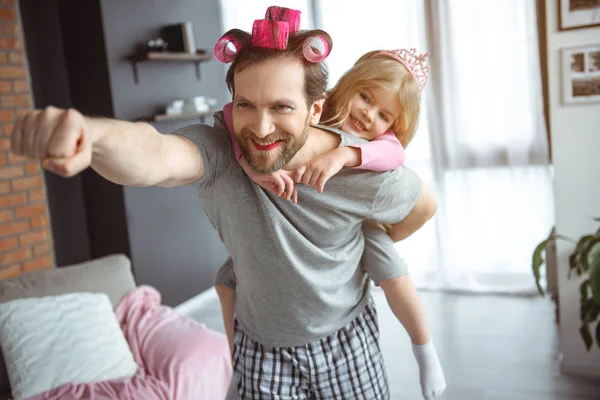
x=50 y=341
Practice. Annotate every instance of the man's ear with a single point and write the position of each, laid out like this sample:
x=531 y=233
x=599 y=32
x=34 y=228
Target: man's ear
x=315 y=111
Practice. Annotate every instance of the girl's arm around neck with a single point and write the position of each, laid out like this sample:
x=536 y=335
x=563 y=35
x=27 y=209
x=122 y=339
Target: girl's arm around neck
x=384 y=153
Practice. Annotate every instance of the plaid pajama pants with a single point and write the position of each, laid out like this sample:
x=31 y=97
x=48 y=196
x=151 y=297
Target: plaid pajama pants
x=345 y=365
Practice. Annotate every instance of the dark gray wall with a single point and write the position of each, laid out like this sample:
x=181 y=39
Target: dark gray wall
x=173 y=245
x=174 y=248
x=64 y=41
x=132 y=22
x=78 y=58
x=50 y=86
x=89 y=88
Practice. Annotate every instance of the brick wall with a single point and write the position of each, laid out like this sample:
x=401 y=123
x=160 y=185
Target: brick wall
x=25 y=239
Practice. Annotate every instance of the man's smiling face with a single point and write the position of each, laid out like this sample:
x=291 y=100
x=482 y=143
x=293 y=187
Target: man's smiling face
x=270 y=114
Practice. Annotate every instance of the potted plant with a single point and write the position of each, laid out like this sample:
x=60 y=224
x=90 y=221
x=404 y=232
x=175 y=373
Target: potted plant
x=584 y=261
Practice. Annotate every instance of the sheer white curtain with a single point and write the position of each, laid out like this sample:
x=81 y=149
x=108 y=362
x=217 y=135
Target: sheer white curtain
x=487 y=88
x=481 y=142
x=357 y=27
x=488 y=149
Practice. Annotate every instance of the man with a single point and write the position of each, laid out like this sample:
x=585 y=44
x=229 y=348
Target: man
x=305 y=324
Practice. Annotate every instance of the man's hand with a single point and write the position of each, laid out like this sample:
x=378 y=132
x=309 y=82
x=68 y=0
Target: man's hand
x=279 y=182
x=317 y=171
x=60 y=139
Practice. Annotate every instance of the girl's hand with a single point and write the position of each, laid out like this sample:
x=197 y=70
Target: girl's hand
x=279 y=182
x=317 y=171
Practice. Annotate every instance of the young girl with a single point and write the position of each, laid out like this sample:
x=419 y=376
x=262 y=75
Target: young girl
x=378 y=100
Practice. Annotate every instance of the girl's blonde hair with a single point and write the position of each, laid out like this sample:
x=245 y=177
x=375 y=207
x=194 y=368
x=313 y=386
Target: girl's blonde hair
x=379 y=71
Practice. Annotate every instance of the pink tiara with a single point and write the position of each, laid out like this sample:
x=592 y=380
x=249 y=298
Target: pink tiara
x=414 y=62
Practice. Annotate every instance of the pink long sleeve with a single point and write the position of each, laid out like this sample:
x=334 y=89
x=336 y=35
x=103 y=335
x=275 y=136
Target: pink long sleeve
x=227 y=116
x=384 y=153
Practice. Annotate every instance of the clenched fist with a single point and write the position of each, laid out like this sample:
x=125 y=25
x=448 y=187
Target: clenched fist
x=60 y=139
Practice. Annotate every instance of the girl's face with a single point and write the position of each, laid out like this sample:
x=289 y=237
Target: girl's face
x=372 y=113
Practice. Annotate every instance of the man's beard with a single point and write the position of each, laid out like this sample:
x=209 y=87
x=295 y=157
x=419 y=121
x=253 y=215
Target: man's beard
x=264 y=163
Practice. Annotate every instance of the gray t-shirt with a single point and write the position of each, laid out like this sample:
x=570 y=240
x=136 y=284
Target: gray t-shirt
x=297 y=265
x=380 y=260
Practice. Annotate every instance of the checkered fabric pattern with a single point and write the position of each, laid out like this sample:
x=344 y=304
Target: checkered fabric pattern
x=345 y=365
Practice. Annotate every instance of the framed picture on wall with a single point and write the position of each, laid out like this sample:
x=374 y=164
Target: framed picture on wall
x=581 y=74
x=574 y=14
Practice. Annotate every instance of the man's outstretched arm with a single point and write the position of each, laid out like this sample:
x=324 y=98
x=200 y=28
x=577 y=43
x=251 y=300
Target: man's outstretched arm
x=127 y=153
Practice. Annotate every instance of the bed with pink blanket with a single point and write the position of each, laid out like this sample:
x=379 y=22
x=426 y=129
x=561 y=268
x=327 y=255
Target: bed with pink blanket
x=177 y=358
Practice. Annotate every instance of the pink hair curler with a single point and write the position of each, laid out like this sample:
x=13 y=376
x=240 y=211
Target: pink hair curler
x=316 y=49
x=227 y=48
x=270 y=34
x=291 y=16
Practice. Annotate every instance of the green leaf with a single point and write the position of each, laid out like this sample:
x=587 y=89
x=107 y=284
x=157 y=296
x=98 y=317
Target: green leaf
x=536 y=263
x=583 y=241
x=594 y=272
x=582 y=250
x=590 y=250
x=589 y=311
x=584 y=309
x=586 y=335
x=593 y=313
x=583 y=290
x=563 y=237
x=574 y=264
x=597 y=219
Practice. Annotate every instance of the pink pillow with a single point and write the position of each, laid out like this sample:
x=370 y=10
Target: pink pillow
x=178 y=359
x=190 y=358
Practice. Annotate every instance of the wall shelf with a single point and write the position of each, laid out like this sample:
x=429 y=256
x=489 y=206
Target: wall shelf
x=168 y=57
x=177 y=117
